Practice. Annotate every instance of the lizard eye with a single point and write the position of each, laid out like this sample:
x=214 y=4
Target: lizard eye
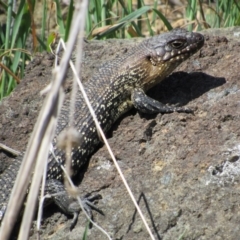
x=177 y=44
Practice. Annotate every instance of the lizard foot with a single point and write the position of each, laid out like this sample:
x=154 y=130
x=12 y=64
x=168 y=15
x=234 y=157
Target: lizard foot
x=68 y=204
x=88 y=205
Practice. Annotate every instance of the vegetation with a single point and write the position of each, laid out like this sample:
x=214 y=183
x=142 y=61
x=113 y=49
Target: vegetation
x=106 y=19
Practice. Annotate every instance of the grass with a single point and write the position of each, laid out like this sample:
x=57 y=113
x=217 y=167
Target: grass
x=19 y=39
x=212 y=15
x=13 y=44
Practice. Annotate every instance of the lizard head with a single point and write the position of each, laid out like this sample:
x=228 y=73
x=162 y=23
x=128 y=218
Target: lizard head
x=168 y=50
x=176 y=45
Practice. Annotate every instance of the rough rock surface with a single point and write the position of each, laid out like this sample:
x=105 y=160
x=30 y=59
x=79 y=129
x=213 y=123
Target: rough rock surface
x=183 y=169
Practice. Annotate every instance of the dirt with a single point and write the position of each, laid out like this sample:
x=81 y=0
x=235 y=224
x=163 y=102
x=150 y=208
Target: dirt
x=182 y=168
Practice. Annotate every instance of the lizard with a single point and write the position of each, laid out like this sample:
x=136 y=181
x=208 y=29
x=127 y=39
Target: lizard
x=114 y=89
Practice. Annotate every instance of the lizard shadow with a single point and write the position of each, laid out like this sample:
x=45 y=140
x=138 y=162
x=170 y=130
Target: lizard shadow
x=182 y=87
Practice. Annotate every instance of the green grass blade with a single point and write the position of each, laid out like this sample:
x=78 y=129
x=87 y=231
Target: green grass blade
x=129 y=6
x=162 y=17
x=151 y=33
x=136 y=26
x=86 y=231
x=139 y=22
x=69 y=20
x=154 y=13
x=2 y=85
x=3 y=82
x=125 y=20
x=2 y=38
x=6 y=7
x=43 y=28
x=43 y=46
x=8 y=24
x=60 y=19
x=22 y=9
x=134 y=15
x=103 y=12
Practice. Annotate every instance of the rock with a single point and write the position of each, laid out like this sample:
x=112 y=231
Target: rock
x=182 y=168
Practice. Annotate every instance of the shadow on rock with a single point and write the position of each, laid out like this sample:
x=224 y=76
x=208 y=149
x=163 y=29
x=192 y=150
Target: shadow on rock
x=181 y=87
x=143 y=197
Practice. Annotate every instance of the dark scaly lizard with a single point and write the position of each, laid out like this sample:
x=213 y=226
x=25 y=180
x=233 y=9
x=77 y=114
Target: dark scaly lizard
x=115 y=88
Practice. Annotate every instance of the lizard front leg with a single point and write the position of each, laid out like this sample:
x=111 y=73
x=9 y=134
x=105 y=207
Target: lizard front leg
x=145 y=104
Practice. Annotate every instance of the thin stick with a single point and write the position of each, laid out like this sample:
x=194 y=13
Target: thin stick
x=10 y=150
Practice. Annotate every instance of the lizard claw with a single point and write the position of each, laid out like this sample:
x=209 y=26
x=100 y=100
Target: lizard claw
x=88 y=205
x=69 y=204
x=178 y=108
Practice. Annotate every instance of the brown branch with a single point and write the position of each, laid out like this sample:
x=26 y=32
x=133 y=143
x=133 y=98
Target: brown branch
x=10 y=72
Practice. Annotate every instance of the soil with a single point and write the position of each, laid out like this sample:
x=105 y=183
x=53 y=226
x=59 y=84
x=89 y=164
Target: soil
x=182 y=168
